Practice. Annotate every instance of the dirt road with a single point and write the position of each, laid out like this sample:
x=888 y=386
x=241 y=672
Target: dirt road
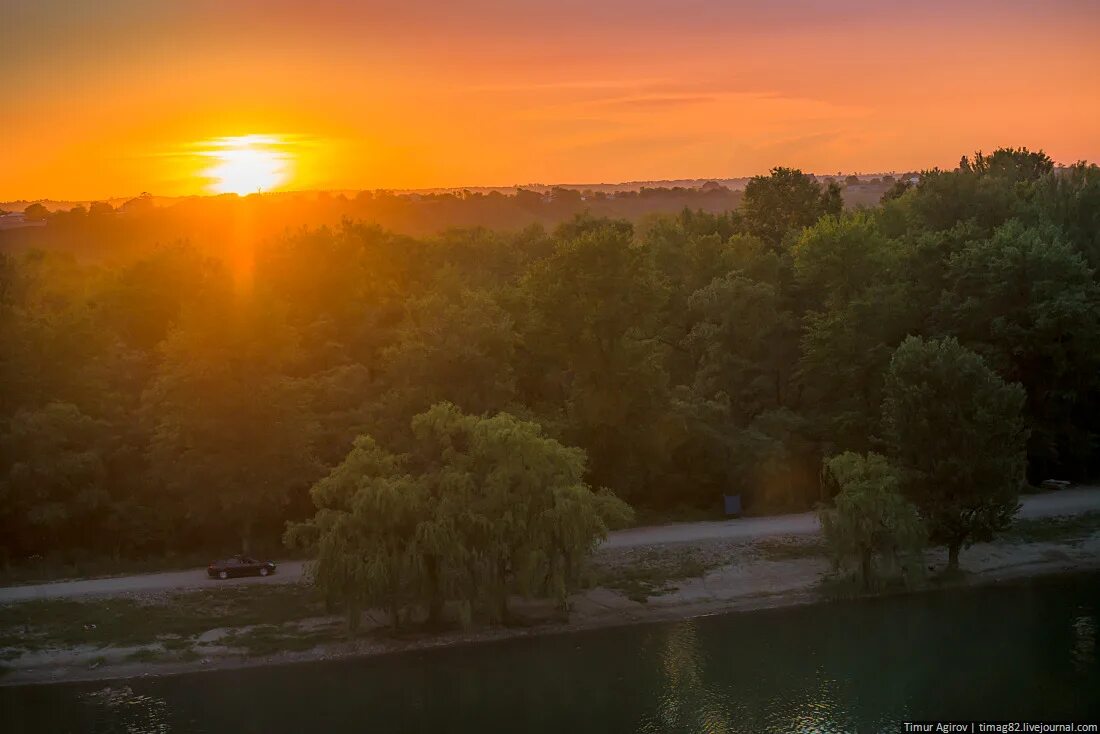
x=1064 y=502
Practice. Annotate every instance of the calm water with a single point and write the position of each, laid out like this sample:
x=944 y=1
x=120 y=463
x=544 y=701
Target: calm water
x=1019 y=652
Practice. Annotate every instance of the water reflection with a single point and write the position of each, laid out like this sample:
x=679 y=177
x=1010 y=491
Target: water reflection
x=1024 y=652
x=818 y=711
x=1084 y=642
x=686 y=702
x=120 y=709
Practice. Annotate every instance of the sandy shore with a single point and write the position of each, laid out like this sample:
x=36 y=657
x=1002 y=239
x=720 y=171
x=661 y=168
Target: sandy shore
x=755 y=579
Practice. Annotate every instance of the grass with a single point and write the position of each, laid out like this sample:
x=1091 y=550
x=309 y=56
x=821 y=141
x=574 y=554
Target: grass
x=126 y=622
x=654 y=572
x=789 y=549
x=178 y=643
x=1052 y=529
x=146 y=655
x=270 y=639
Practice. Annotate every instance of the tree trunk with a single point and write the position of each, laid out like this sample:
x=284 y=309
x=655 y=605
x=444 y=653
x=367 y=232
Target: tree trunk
x=953 y=555
x=435 y=598
x=395 y=616
x=354 y=614
x=502 y=602
x=395 y=606
x=865 y=568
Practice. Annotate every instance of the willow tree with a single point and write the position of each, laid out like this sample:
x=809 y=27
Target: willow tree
x=364 y=532
x=870 y=516
x=481 y=508
x=527 y=517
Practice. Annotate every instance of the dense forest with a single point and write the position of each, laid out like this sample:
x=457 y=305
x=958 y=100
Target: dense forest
x=158 y=394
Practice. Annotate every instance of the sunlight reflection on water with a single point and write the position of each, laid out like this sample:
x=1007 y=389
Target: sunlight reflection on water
x=1084 y=642
x=126 y=711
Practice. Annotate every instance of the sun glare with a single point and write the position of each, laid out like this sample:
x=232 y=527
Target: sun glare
x=246 y=164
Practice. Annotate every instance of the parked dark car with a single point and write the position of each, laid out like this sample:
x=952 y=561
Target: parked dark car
x=239 y=566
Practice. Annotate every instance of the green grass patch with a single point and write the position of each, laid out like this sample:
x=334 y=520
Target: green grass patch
x=653 y=572
x=129 y=622
x=177 y=643
x=146 y=655
x=1053 y=529
x=789 y=549
x=270 y=639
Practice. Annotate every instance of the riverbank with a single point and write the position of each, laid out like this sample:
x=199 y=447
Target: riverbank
x=150 y=634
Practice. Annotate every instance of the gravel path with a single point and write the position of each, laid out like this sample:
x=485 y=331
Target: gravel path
x=1063 y=502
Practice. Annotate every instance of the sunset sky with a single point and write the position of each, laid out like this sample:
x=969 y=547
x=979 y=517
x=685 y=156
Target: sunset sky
x=114 y=97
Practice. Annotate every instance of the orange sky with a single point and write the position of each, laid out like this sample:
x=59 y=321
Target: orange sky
x=111 y=97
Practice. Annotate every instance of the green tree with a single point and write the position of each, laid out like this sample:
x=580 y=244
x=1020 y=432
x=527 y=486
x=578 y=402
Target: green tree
x=1030 y=305
x=838 y=258
x=481 y=508
x=849 y=278
x=364 y=532
x=53 y=481
x=870 y=517
x=1013 y=165
x=591 y=353
x=230 y=436
x=786 y=201
x=456 y=348
x=1069 y=199
x=955 y=431
x=745 y=344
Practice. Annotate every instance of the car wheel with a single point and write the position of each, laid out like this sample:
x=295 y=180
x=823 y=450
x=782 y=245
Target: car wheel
x=223 y=575
x=264 y=570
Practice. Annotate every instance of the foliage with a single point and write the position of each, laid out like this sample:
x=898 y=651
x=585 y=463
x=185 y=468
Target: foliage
x=785 y=202
x=956 y=432
x=481 y=509
x=229 y=418
x=870 y=518
x=168 y=398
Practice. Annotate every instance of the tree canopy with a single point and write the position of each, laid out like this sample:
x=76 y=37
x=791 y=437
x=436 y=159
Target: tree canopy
x=482 y=508
x=195 y=387
x=956 y=431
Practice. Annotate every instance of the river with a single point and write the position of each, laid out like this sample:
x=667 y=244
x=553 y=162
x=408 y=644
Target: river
x=1024 y=651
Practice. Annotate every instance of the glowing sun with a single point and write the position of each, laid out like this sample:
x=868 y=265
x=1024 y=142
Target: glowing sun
x=246 y=164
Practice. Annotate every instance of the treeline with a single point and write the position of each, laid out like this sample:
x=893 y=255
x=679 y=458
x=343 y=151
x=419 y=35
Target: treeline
x=179 y=400
x=230 y=222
